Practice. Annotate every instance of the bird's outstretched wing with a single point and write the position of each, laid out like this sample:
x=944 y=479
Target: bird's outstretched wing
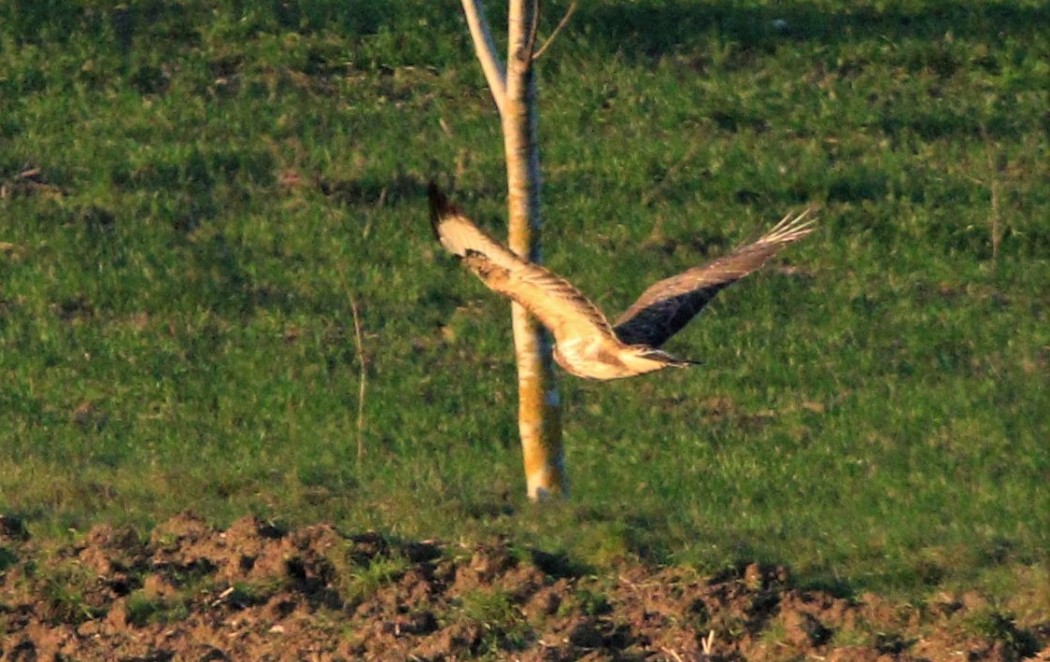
x=554 y=301
x=667 y=306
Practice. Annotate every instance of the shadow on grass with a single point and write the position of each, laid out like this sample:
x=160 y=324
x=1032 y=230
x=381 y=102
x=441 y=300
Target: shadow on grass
x=647 y=29
x=926 y=38
x=637 y=29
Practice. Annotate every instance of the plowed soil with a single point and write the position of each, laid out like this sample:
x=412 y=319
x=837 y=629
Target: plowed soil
x=258 y=592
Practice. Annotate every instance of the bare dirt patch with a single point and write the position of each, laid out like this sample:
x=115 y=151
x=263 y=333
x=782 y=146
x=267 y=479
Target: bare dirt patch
x=256 y=591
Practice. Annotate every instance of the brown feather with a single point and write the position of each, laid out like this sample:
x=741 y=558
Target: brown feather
x=668 y=305
x=553 y=300
x=586 y=344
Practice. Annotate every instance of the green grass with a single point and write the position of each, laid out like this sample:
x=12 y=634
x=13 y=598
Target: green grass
x=176 y=330
x=143 y=609
x=502 y=623
x=379 y=572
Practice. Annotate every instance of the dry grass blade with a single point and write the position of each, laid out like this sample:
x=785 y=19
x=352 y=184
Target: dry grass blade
x=993 y=192
x=362 y=377
x=708 y=643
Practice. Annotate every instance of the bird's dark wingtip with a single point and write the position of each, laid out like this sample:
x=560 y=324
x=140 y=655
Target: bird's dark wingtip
x=437 y=198
x=439 y=207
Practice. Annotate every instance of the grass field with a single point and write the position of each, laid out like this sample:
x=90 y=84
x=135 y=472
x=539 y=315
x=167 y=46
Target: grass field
x=195 y=199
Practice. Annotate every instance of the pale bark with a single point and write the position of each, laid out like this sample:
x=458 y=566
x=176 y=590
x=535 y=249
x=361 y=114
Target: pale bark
x=485 y=49
x=539 y=407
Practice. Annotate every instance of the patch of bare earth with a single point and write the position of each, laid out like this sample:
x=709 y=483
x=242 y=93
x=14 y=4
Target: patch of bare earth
x=254 y=591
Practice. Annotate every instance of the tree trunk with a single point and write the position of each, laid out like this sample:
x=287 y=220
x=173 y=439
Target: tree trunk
x=539 y=407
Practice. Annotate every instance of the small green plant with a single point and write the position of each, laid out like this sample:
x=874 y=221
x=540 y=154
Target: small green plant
x=774 y=634
x=493 y=609
x=143 y=609
x=8 y=558
x=590 y=603
x=379 y=572
x=993 y=625
x=850 y=636
x=66 y=591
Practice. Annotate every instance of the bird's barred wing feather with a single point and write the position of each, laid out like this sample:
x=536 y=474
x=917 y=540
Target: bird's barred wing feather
x=458 y=234
x=554 y=301
x=668 y=305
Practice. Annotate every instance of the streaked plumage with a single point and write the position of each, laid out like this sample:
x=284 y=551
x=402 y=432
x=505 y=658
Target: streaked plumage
x=586 y=345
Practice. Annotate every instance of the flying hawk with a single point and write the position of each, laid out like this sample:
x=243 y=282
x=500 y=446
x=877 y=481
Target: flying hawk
x=586 y=345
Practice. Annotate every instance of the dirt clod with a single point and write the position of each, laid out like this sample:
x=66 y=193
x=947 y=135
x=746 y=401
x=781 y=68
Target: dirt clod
x=257 y=591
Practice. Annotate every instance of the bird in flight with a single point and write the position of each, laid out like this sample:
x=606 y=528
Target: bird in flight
x=586 y=345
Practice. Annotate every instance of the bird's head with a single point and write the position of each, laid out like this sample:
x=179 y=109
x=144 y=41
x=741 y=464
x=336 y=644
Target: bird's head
x=651 y=359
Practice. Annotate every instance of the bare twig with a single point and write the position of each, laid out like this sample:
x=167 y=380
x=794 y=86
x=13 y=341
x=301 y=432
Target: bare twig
x=30 y=173
x=708 y=643
x=359 y=345
x=561 y=25
x=534 y=29
x=485 y=48
x=672 y=653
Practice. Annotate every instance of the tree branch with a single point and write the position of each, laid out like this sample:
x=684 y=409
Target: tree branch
x=485 y=48
x=561 y=24
x=534 y=30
